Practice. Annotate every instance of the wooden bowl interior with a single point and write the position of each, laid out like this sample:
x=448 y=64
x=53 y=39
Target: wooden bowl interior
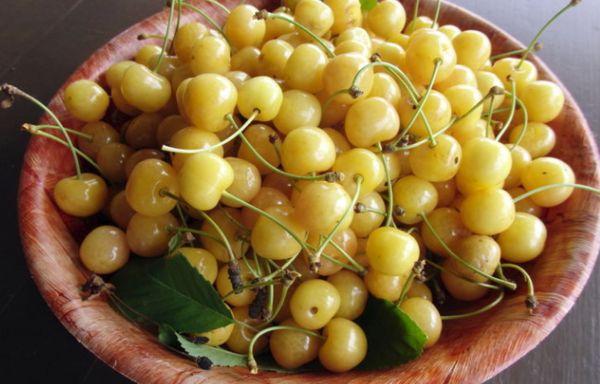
x=472 y=350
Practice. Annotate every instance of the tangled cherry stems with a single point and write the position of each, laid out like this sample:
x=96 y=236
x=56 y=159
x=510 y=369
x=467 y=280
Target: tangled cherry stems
x=329 y=176
x=314 y=259
x=454 y=120
x=508 y=284
x=278 y=223
x=422 y=101
x=32 y=129
x=11 y=91
x=450 y=271
x=401 y=77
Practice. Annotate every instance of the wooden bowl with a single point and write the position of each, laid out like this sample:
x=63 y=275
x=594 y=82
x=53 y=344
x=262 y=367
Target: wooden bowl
x=472 y=350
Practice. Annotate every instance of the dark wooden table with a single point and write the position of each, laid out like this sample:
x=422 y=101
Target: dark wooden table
x=42 y=42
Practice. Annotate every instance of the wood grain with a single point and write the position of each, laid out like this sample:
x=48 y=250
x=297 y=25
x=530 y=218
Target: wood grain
x=469 y=351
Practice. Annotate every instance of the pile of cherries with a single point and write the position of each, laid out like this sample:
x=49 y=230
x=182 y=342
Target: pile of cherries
x=315 y=155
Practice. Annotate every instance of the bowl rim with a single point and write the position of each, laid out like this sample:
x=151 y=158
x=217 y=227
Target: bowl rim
x=152 y=24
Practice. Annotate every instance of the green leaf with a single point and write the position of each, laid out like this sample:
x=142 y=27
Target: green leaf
x=170 y=291
x=218 y=356
x=224 y=358
x=367 y=5
x=392 y=336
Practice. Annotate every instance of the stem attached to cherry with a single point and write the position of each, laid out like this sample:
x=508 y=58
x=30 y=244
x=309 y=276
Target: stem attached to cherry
x=315 y=258
x=166 y=37
x=231 y=137
x=205 y=15
x=478 y=311
x=513 y=107
x=33 y=128
x=531 y=301
x=508 y=284
x=556 y=185
x=252 y=362
x=38 y=132
x=419 y=107
x=436 y=16
x=264 y=14
x=325 y=176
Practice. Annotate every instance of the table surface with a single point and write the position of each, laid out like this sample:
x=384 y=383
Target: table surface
x=42 y=42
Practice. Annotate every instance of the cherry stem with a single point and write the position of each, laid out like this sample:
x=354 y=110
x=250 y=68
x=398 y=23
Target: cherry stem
x=267 y=215
x=531 y=301
x=426 y=140
x=479 y=311
x=252 y=362
x=166 y=37
x=533 y=42
x=13 y=91
x=234 y=220
x=508 y=284
x=389 y=216
x=419 y=110
x=221 y=235
x=264 y=15
x=511 y=113
x=229 y=138
x=210 y=220
x=255 y=272
x=357 y=267
x=177 y=24
x=437 y=13
x=405 y=287
x=271 y=166
x=48 y=127
x=181 y=214
x=484 y=285
x=416 y=10
x=199 y=233
x=525 y=123
x=556 y=185
x=536 y=47
x=408 y=85
x=284 y=291
x=332 y=97
x=488 y=125
x=205 y=15
x=271 y=289
x=316 y=256
x=76 y=150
